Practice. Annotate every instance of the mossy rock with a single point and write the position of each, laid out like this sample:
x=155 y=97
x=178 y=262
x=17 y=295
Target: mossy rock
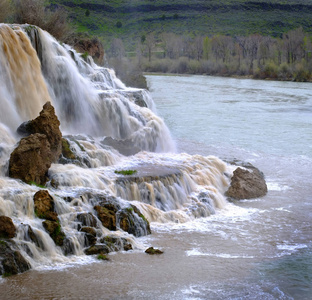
x=153 y=251
x=66 y=151
x=97 y=249
x=11 y=260
x=55 y=231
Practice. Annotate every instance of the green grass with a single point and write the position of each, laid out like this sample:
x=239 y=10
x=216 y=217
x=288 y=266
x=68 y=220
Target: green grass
x=125 y=172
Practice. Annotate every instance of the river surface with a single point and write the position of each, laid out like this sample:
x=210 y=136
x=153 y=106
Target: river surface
x=255 y=249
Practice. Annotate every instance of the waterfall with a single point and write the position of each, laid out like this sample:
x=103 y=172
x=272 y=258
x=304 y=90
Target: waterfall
x=108 y=127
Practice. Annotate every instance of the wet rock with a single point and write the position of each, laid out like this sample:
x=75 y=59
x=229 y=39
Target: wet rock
x=125 y=147
x=11 y=260
x=31 y=236
x=66 y=151
x=97 y=249
x=89 y=230
x=90 y=235
x=153 y=251
x=31 y=160
x=44 y=206
x=7 y=228
x=247 y=184
x=48 y=124
x=87 y=219
x=131 y=220
x=55 y=231
x=107 y=216
x=116 y=243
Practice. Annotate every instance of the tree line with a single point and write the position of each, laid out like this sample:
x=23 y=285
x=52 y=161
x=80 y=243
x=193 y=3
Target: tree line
x=288 y=57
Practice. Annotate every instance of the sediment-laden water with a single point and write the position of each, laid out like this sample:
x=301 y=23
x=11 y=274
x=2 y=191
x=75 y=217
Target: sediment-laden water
x=213 y=249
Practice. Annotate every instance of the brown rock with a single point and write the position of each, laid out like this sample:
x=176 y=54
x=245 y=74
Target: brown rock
x=153 y=251
x=11 y=260
x=7 y=228
x=48 y=124
x=55 y=231
x=106 y=216
x=131 y=220
x=247 y=184
x=87 y=219
x=31 y=160
x=44 y=206
x=97 y=249
x=93 y=47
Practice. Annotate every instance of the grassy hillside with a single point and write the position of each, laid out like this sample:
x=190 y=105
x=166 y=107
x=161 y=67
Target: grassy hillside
x=197 y=17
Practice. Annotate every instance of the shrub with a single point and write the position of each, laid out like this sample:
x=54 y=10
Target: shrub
x=5 y=9
x=35 y=13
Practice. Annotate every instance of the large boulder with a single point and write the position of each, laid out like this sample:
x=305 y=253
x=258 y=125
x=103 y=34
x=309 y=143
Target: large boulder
x=44 y=206
x=48 y=124
x=7 y=228
x=11 y=260
x=31 y=160
x=247 y=184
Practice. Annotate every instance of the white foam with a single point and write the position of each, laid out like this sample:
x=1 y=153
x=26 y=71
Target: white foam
x=196 y=252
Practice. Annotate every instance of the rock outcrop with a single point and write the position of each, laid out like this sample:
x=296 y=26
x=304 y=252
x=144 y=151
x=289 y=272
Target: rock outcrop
x=92 y=47
x=32 y=158
x=7 y=228
x=247 y=184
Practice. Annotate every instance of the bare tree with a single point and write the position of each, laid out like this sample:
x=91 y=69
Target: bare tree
x=294 y=45
x=5 y=10
x=198 y=47
x=222 y=47
x=150 y=45
x=117 y=48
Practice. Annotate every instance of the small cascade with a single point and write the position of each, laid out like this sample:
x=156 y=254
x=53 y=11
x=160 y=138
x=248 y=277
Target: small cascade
x=107 y=127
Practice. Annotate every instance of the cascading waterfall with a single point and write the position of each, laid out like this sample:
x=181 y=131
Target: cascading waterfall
x=101 y=118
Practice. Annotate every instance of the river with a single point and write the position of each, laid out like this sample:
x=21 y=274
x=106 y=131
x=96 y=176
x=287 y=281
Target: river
x=250 y=249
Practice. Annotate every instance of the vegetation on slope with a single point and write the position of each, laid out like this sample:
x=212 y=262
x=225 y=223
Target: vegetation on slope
x=130 y=19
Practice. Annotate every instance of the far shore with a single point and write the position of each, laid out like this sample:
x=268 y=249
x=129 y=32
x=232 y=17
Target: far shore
x=225 y=76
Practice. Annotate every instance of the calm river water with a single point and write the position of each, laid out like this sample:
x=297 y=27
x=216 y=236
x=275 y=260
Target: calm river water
x=255 y=249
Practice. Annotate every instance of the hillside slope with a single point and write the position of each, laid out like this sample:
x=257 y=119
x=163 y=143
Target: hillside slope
x=130 y=19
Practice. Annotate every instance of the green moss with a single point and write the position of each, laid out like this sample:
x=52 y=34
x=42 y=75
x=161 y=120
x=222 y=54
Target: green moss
x=125 y=172
x=85 y=55
x=79 y=145
x=66 y=151
x=3 y=243
x=102 y=257
x=36 y=184
x=6 y=274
